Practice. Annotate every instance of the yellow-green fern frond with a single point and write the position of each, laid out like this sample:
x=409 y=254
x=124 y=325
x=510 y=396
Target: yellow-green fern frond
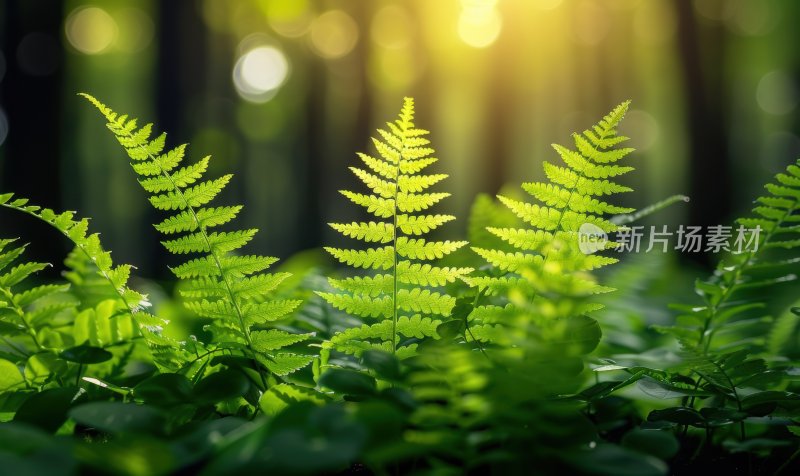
x=542 y=262
x=231 y=290
x=168 y=354
x=402 y=297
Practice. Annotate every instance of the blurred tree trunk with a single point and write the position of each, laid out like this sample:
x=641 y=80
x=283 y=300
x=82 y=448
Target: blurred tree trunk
x=710 y=176
x=31 y=98
x=496 y=150
x=311 y=147
x=180 y=76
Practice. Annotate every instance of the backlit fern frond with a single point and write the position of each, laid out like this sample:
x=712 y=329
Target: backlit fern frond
x=542 y=262
x=402 y=296
x=233 y=291
x=167 y=353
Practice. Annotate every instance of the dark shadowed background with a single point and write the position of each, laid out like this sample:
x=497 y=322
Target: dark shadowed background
x=284 y=92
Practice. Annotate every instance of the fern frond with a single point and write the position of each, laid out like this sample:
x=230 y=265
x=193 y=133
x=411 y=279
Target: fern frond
x=765 y=250
x=542 y=260
x=168 y=354
x=20 y=316
x=399 y=296
x=224 y=287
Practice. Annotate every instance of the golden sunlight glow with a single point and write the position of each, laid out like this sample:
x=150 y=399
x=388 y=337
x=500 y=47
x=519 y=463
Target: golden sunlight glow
x=654 y=22
x=90 y=30
x=547 y=4
x=334 y=34
x=479 y=24
x=591 y=23
x=259 y=73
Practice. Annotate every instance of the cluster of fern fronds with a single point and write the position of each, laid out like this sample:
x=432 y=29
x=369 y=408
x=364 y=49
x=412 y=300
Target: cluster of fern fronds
x=414 y=356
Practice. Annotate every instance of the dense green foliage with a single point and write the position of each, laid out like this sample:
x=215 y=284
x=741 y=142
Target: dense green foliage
x=418 y=361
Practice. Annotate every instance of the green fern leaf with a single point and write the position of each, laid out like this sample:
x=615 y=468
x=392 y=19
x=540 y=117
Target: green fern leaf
x=222 y=287
x=399 y=296
x=765 y=249
x=167 y=353
x=541 y=263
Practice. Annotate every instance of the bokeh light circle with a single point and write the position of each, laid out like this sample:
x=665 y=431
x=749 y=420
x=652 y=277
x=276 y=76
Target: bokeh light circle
x=391 y=27
x=333 y=34
x=90 y=30
x=479 y=28
x=135 y=30
x=259 y=73
x=777 y=93
x=291 y=19
x=642 y=128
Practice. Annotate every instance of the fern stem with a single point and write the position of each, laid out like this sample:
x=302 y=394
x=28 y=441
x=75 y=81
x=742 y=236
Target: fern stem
x=649 y=210
x=735 y=395
x=475 y=301
x=561 y=214
x=394 y=245
x=394 y=276
x=787 y=462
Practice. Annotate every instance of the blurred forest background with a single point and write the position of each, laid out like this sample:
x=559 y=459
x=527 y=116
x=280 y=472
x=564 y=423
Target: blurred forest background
x=284 y=92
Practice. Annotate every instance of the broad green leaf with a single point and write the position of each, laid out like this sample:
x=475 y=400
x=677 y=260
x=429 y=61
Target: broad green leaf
x=348 y=382
x=10 y=376
x=280 y=396
x=659 y=443
x=86 y=354
x=164 y=390
x=223 y=385
x=48 y=409
x=116 y=417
